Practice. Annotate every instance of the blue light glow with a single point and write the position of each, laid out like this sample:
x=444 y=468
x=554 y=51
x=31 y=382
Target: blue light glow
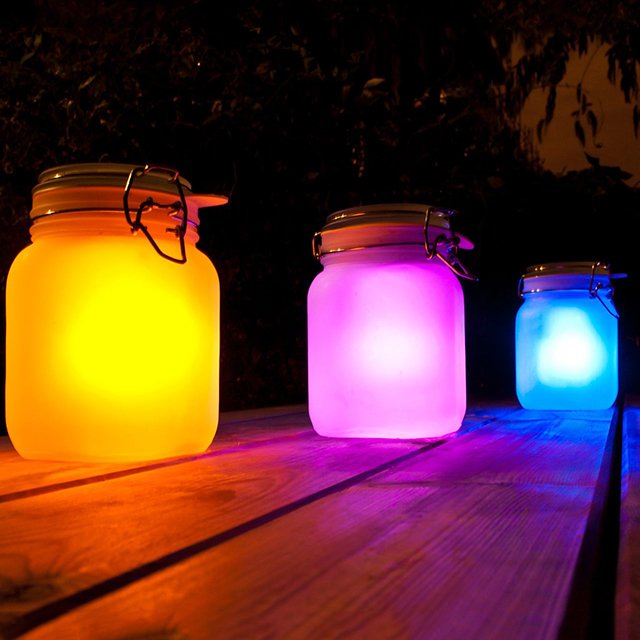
x=570 y=352
x=566 y=352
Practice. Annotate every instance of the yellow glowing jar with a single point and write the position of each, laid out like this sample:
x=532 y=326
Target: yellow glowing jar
x=112 y=319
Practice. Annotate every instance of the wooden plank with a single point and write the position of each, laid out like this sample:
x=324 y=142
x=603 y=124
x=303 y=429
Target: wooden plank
x=54 y=544
x=423 y=562
x=43 y=537
x=475 y=538
x=22 y=478
x=539 y=450
x=628 y=579
x=26 y=477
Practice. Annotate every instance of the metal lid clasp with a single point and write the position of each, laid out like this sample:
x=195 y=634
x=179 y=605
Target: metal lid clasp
x=180 y=205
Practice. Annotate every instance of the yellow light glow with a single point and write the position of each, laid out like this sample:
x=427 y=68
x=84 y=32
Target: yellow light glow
x=112 y=351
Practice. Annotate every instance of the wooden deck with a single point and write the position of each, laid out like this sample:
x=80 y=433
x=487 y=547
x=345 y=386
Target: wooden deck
x=522 y=525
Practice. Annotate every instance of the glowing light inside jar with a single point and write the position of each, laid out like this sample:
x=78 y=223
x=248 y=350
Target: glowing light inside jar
x=571 y=353
x=386 y=347
x=112 y=350
x=567 y=343
x=118 y=360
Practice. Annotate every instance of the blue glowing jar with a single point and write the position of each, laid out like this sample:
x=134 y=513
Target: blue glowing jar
x=567 y=337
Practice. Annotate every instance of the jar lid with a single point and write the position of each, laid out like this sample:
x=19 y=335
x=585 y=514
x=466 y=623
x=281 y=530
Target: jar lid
x=101 y=186
x=387 y=224
x=554 y=276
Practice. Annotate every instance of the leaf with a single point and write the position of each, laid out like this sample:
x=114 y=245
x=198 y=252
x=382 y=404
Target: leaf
x=624 y=175
x=373 y=82
x=87 y=82
x=550 y=107
x=615 y=173
x=583 y=42
x=611 y=71
x=540 y=130
x=593 y=122
x=579 y=130
x=584 y=104
x=592 y=160
x=579 y=92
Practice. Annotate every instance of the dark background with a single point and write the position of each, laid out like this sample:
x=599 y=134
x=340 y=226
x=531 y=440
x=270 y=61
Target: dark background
x=298 y=108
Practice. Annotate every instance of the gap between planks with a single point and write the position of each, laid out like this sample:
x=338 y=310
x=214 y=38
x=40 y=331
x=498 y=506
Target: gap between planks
x=590 y=607
x=627 y=605
x=221 y=445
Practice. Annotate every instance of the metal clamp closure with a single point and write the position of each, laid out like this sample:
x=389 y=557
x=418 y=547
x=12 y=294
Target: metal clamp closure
x=179 y=207
x=445 y=246
x=316 y=245
x=596 y=289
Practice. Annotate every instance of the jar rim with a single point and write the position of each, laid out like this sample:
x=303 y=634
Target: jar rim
x=68 y=188
x=389 y=224
x=81 y=174
x=582 y=267
x=566 y=276
x=392 y=211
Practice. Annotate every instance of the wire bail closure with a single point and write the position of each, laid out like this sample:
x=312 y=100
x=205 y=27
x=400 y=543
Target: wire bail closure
x=594 y=292
x=603 y=293
x=445 y=246
x=180 y=205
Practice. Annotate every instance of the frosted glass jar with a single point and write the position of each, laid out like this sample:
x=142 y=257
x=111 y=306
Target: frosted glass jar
x=386 y=341
x=567 y=337
x=112 y=319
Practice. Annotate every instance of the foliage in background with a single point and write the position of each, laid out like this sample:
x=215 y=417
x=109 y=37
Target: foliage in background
x=298 y=108
x=548 y=33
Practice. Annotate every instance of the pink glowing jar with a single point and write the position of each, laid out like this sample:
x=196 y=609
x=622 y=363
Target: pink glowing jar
x=386 y=324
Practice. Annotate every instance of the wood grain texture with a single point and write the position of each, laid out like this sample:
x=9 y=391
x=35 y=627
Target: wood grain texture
x=628 y=588
x=536 y=451
x=28 y=476
x=476 y=538
x=447 y=562
x=22 y=478
x=55 y=544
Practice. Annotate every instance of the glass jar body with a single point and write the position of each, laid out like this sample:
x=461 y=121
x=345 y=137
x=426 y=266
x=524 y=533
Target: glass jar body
x=112 y=351
x=386 y=345
x=566 y=351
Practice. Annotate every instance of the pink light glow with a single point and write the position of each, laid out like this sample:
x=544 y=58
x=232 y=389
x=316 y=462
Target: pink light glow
x=386 y=346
